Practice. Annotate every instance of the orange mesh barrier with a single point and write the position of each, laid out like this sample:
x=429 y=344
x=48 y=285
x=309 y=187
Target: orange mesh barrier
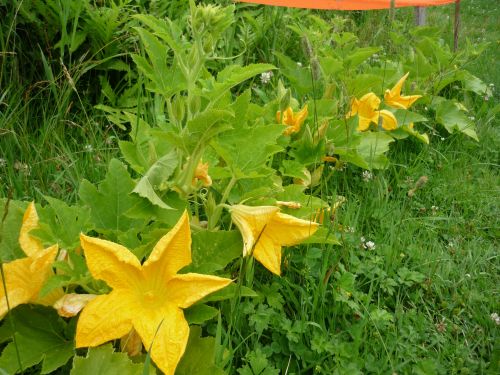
x=348 y=4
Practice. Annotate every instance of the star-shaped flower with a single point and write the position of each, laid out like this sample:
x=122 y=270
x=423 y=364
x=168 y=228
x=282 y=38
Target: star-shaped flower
x=25 y=277
x=367 y=110
x=148 y=298
x=394 y=99
x=293 y=121
x=265 y=230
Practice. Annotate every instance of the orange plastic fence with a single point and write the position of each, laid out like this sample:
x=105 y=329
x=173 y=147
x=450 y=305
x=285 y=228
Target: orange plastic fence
x=348 y=4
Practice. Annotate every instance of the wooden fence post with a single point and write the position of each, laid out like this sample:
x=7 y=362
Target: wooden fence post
x=457 y=25
x=420 y=15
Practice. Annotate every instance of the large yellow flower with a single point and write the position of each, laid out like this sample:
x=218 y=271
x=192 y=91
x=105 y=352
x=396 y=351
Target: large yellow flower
x=265 y=230
x=367 y=110
x=24 y=278
x=148 y=298
x=293 y=121
x=394 y=99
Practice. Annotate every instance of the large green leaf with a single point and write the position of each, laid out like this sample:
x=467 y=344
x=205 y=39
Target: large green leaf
x=247 y=150
x=40 y=337
x=212 y=251
x=103 y=360
x=109 y=203
x=372 y=148
x=156 y=179
x=199 y=356
x=62 y=224
x=453 y=119
x=9 y=230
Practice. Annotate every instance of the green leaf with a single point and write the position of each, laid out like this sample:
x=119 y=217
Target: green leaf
x=206 y=250
x=372 y=147
x=62 y=224
x=40 y=338
x=200 y=313
x=233 y=75
x=109 y=203
x=358 y=56
x=156 y=178
x=230 y=291
x=104 y=360
x=199 y=356
x=9 y=230
x=243 y=156
x=453 y=119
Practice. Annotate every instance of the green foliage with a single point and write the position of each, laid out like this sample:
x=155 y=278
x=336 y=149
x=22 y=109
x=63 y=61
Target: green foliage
x=9 y=229
x=104 y=360
x=199 y=356
x=40 y=336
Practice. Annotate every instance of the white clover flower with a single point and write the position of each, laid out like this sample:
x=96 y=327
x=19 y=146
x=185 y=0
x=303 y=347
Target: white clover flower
x=265 y=77
x=367 y=176
x=495 y=318
x=370 y=245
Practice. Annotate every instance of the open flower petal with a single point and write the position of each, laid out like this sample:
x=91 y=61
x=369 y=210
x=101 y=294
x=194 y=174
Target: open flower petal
x=25 y=277
x=389 y=121
x=28 y=243
x=394 y=99
x=165 y=334
x=287 y=230
x=268 y=254
x=186 y=289
x=251 y=222
x=105 y=318
x=173 y=251
x=111 y=262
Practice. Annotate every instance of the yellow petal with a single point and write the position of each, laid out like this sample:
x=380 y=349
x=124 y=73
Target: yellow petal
x=105 y=318
x=396 y=90
x=287 y=117
x=268 y=254
x=71 y=304
x=29 y=244
x=186 y=289
x=251 y=221
x=389 y=121
x=368 y=104
x=287 y=230
x=165 y=333
x=301 y=116
x=364 y=123
x=354 y=108
x=111 y=262
x=394 y=99
x=25 y=277
x=172 y=252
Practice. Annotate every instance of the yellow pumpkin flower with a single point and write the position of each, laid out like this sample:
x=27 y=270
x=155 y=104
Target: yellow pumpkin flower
x=148 y=298
x=201 y=174
x=394 y=99
x=265 y=230
x=367 y=110
x=71 y=304
x=25 y=277
x=293 y=121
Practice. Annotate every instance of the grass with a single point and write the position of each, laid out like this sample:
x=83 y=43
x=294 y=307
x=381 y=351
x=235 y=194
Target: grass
x=419 y=302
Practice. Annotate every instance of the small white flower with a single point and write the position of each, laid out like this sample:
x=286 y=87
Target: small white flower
x=434 y=209
x=495 y=318
x=265 y=77
x=367 y=176
x=362 y=239
x=88 y=148
x=370 y=245
x=3 y=162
